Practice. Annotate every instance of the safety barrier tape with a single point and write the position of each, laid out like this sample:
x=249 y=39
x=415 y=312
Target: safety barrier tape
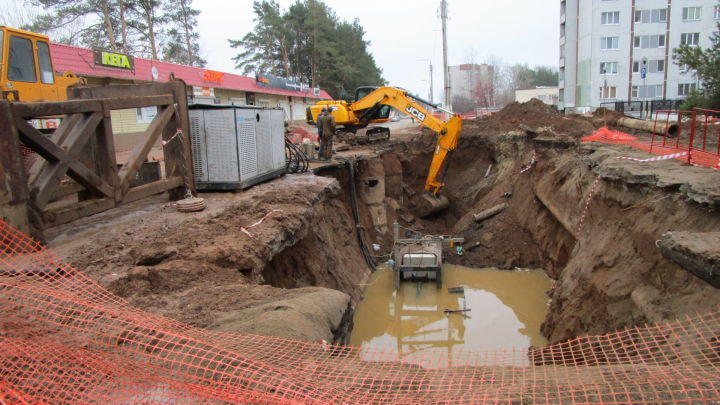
x=530 y=165
x=245 y=229
x=177 y=133
x=587 y=205
x=656 y=158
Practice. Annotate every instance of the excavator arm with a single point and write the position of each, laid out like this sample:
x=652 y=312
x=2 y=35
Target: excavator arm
x=449 y=131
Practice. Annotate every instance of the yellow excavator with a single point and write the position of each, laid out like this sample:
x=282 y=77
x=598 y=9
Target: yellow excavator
x=26 y=70
x=373 y=105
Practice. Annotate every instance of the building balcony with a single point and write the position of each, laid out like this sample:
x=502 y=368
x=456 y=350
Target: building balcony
x=562 y=40
x=562 y=62
x=562 y=18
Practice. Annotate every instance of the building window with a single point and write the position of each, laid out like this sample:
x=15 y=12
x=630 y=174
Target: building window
x=608 y=68
x=649 y=91
x=649 y=41
x=692 y=39
x=653 y=66
x=684 y=89
x=691 y=14
x=607 y=92
x=684 y=68
x=609 y=43
x=716 y=13
x=658 y=15
x=610 y=18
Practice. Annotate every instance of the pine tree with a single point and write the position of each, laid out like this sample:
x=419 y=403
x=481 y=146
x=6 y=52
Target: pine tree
x=148 y=22
x=308 y=43
x=181 y=39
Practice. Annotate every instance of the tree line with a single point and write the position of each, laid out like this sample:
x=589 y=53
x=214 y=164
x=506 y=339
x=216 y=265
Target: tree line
x=308 y=43
x=156 y=29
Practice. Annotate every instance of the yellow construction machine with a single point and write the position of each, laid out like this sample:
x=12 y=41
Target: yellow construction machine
x=26 y=70
x=373 y=105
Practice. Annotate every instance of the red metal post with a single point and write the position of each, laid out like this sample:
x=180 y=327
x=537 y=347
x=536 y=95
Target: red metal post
x=692 y=135
x=652 y=139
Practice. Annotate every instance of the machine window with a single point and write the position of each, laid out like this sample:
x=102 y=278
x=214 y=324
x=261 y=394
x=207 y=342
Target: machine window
x=21 y=64
x=2 y=33
x=46 y=72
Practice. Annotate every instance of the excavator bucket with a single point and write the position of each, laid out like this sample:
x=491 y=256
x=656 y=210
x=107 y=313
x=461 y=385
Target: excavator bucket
x=428 y=204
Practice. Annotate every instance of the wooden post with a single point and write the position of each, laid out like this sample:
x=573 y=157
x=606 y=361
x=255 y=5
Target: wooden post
x=14 y=193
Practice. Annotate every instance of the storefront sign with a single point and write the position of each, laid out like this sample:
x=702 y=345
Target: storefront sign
x=116 y=60
x=199 y=91
x=213 y=76
x=279 y=83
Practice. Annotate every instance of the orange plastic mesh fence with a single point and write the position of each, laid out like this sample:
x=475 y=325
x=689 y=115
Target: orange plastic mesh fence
x=65 y=339
x=662 y=146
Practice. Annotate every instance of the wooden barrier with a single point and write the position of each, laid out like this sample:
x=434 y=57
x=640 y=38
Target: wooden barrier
x=82 y=149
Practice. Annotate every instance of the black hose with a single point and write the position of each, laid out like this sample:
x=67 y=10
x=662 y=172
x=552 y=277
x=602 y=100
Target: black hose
x=353 y=204
x=296 y=159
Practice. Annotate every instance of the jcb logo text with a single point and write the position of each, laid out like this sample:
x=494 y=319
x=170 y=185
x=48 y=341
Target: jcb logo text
x=415 y=113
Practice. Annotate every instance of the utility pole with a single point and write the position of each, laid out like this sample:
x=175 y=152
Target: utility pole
x=443 y=16
x=431 y=79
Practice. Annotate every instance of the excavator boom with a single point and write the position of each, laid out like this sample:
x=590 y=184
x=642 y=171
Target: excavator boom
x=449 y=131
x=366 y=110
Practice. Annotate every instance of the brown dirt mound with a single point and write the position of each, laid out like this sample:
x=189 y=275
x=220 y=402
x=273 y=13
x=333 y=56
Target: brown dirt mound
x=534 y=114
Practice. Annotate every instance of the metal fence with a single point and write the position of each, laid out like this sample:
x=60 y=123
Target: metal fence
x=642 y=109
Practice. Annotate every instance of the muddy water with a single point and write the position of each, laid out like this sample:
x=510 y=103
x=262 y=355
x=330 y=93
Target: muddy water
x=506 y=309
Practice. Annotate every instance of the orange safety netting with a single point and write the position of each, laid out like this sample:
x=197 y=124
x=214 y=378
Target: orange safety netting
x=65 y=339
x=697 y=136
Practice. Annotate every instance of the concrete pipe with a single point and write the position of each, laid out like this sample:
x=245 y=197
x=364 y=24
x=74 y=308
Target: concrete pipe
x=648 y=126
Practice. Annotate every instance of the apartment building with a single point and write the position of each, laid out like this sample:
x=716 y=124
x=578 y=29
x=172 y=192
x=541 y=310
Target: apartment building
x=622 y=50
x=467 y=80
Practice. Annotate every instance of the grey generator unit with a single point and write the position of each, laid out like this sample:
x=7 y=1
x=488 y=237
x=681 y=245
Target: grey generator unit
x=234 y=147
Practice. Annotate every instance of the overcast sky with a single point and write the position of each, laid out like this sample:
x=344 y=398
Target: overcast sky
x=402 y=31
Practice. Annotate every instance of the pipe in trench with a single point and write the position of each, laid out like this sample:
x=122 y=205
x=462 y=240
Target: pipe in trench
x=649 y=126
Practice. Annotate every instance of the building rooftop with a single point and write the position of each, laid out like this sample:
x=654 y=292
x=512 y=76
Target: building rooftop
x=80 y=61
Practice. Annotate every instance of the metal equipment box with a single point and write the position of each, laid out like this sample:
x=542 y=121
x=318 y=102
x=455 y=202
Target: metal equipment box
x=234 y=147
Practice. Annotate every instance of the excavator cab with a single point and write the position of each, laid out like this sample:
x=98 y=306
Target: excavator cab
x=26 y=71
x=381 y=113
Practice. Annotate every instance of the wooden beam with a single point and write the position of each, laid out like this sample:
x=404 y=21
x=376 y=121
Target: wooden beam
x=82 y=209
x=12 y=176
x=141 y=150
x=76 y=211
x=40 y=109
x=58 y=137
x=156 y=187
x=185 y=148
x=121 y=90
x=60 y=161
x=105 y=155
x=137 y=102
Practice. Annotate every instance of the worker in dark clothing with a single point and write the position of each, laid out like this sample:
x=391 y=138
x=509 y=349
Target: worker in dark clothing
x=328 y=130
x=320 y=131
